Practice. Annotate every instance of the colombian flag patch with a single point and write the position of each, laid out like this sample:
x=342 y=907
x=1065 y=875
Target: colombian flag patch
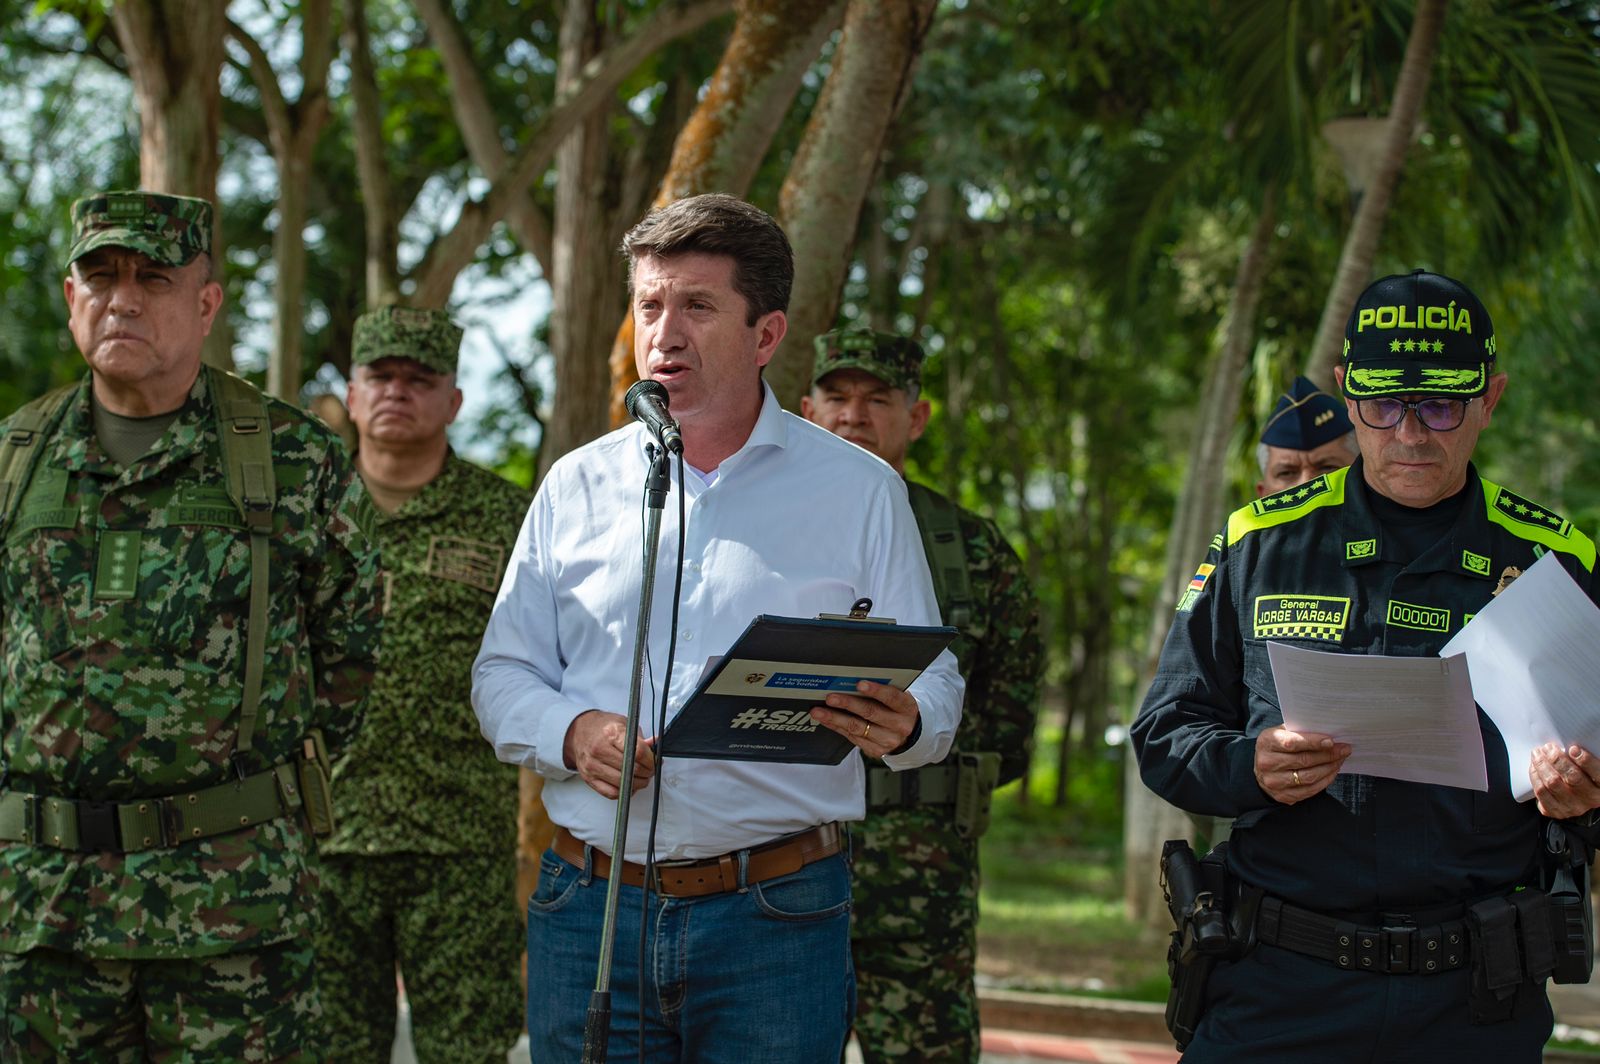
x=1191 y=594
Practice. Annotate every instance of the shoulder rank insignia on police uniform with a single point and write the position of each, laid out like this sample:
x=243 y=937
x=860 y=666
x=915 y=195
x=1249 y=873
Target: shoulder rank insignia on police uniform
x=1289 y=498
x=1529 y=513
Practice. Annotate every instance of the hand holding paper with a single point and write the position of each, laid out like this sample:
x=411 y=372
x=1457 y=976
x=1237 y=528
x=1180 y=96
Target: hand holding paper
x=1292 y=766
x=1537 y=676
x=1405 y=718
x=1566 y=783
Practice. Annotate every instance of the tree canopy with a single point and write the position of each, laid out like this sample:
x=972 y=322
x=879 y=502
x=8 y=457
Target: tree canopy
x=1055 y=197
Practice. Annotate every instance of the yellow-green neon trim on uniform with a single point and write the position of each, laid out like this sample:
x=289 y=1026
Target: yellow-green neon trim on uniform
x=1249 y=519
x=1572 y=541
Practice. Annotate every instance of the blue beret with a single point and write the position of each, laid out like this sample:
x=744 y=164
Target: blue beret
x=1305 y=419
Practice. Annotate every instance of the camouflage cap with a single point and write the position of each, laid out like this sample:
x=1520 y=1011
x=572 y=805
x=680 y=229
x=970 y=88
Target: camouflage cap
x=895 y=360
x=170 y=229
x=428 y=337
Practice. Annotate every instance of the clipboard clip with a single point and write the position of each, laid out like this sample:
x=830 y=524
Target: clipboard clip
x=859 y=610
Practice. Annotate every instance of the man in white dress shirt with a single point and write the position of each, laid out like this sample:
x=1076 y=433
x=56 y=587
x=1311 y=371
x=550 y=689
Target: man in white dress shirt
x=748 y=953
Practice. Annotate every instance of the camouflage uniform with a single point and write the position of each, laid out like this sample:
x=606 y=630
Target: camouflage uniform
x=123 y=684
x=421 y=869
x=915 y=914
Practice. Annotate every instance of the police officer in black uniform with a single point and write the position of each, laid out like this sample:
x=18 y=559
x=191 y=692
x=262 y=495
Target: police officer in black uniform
x=1382 y=920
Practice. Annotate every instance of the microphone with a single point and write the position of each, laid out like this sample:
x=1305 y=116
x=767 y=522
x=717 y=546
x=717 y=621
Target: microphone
x=646 y=402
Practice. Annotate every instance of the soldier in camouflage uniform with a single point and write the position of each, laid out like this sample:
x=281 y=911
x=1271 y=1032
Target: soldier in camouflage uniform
x=190 y=604
x=914 y=929
x=422 y=865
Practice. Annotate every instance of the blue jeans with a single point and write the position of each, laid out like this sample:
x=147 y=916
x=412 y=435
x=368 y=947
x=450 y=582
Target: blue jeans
x=760 y=975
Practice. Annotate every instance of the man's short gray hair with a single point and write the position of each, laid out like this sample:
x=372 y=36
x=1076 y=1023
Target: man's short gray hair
x=1348 y=439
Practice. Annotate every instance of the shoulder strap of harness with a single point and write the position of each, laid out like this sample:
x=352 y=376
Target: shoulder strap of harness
x=22 y=444
x=940 y=524
x=245 y=432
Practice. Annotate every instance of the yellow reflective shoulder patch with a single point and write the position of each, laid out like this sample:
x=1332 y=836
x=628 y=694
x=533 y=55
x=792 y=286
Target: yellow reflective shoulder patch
x=1288 y=505
x=1528 y=520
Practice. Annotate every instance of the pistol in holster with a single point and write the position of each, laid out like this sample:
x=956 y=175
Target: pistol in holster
x=1214 y=919
x=316 y=782
x=1566 y=880
x=976 y=776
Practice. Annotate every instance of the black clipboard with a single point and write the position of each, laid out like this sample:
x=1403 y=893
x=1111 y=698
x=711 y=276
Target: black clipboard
x=754 y=703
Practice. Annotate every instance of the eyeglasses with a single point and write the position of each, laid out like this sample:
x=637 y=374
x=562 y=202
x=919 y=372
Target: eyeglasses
x=1438 y=414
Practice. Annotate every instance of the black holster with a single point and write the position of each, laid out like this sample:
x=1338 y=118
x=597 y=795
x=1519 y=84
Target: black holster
x=1214 y=920
x=1566 y=881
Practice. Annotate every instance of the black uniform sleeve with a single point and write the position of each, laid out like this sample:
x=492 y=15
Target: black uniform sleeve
x=1190 y=735
x=1587 y=825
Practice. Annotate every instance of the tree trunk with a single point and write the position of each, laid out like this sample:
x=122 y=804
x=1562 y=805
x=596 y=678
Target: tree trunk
x=372 y=168
x=722 y=144
x=820 y=203
x=585 y=274
x=293 y=131
x=595 y=84
x=284 y=361
x=174 y=51
x=469 y=101
x=1147 y=820
x=1361 y=243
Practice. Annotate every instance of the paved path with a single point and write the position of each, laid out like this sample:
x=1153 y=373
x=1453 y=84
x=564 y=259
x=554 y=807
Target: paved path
x=1031 y=1028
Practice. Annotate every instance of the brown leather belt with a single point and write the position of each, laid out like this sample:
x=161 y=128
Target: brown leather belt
x=714 y=875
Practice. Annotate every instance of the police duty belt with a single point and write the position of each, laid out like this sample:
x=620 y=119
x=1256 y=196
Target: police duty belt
x=1391 y=947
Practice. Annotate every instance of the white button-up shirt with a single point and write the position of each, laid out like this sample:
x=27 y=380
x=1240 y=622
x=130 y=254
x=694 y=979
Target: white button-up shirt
x=797 y=522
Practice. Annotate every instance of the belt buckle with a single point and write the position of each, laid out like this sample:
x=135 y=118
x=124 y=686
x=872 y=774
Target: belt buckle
x=1399 y=948
x=659 y=885
x=32 y=819
x=98 y=830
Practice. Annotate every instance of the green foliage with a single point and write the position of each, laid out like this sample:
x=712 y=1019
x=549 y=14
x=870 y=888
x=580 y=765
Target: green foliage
x=1058 y=218
x=1050 y=915
x=56 y=142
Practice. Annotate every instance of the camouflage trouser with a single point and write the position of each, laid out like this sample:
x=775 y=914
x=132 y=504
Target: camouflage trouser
x=914 y=937
x=451 y=925
x=254 y=1006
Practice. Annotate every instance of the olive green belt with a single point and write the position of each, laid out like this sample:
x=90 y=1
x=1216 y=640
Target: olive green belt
x=928 y=785
x=148 y=823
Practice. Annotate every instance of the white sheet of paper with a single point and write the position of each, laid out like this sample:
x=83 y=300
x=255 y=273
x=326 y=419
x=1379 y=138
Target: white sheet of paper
x=1535 y=666
x=1405 y=718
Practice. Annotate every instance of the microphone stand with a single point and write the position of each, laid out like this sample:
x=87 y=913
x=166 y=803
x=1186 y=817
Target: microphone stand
x=597 y=1021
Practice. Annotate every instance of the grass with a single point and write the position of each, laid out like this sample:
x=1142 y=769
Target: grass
x=1051 y=910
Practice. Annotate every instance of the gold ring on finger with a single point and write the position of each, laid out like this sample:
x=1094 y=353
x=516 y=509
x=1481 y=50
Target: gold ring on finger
x=867 y=730
x=1296 y=775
